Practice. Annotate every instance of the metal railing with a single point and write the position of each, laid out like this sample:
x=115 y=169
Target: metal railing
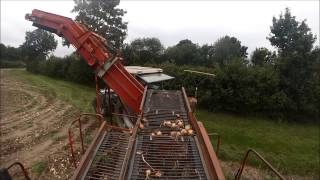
x=25 y=173
x=218 y=141
x=239 y=173
x=97 y=116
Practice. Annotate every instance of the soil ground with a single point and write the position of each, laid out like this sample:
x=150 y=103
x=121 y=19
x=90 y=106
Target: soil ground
x=34 y=130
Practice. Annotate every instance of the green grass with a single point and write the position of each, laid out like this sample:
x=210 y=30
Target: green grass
x=39 y=166
x=291 y=148
x=77 y=95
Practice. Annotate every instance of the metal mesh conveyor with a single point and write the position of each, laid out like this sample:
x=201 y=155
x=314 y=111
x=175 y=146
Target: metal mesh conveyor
x=161 y=105
x=108 y=159
x=164 y=100
x=129 y=155
x=174 y=158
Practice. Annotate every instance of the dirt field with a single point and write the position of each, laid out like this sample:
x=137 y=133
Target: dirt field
x=34 y=129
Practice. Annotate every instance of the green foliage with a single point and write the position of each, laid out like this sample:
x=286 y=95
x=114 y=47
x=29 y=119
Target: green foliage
x=262 y=56
x=73 y=68
x=79 y=71
x=10 y=57
x=236 y=88
x=297 y=65
x=185 y=52
x=290 y=36
x=228 y=48
x=104 y=18
x=38 y=43
x=144 y=50
x=300 y=82
x=11 y=64
x=9 y=53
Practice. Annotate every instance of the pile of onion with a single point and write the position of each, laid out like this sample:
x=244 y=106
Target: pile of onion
x=178 y=123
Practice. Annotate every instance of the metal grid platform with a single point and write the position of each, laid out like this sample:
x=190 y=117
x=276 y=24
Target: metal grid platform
x=156 y=118
x=174 y=158
x=123 y=156
x=164 y=100
x=109 y=158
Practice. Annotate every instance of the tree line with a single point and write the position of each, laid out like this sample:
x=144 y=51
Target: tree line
x=281 y=84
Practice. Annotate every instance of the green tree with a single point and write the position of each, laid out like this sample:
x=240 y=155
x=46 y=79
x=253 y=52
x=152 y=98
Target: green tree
x=185 y=52
x=38 y=43
x=297 y=63
x=3 y=51
x=228 y=48
x=290 y=36
x=207 y=53
x=104 y=18
x=144 y=50
x=262 y=56
x=10 y=57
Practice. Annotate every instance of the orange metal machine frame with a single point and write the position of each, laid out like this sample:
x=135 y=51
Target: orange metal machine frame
x=96 y=52
x=108 y=67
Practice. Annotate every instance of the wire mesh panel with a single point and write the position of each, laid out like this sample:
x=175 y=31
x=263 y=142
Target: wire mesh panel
x=167 y=158
x=164 y=100
x=109 y=157
x=156 y=118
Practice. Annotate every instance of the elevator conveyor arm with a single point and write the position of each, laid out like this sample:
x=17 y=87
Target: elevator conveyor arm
x=96 y=52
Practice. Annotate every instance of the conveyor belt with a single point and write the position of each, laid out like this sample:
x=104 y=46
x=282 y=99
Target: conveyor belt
x=174 y=158
x=171 y=157
x=109 y=157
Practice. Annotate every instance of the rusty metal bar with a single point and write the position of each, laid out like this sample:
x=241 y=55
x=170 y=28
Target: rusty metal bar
x=110 y=106
x=87 y=157
x=218 y=141
x=132 y=139
x=239 y=173
x=98 y=100
x=117 y=128
x=71 y=144
x=81 y=136
x=98 y=116
x=212 y=161
x=25 y=173
x=143 y=98
x=186 y=99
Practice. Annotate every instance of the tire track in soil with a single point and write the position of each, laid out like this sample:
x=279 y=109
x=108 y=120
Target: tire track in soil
x=34 y=128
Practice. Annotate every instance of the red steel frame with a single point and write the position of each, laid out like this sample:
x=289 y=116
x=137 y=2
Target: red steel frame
x=211 y=159
x=95 y=51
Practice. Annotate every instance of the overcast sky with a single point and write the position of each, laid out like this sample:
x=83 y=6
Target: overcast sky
x=203 y=22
